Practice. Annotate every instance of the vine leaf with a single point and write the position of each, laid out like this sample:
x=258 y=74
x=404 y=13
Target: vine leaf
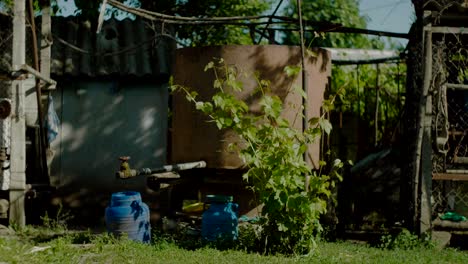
x=325 y=125
x=292 y=71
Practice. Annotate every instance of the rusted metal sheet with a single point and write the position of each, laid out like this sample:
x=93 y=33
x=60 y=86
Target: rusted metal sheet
x=193 y=138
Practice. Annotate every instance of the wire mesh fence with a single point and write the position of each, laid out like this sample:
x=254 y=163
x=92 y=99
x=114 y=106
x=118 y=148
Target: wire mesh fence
x=449 y=196
x=450 y=121
x=6 y=40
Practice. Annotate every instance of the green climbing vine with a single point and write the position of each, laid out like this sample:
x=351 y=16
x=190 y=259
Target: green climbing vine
x=272 y=151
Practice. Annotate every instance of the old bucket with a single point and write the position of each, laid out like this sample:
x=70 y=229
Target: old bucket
x=128 y=215
x=219 y=221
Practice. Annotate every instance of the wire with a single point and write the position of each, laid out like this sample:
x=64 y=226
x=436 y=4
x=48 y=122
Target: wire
x=6 y=39
x=180 y=18
x=390 y=12
x=237 y=20
x=269 y=20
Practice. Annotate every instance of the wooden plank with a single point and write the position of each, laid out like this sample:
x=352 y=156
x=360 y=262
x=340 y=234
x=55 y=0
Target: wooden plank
x=450 y=225
x=19 y=33
x=447 y=30
x=457 y=86
x=450 y=176
x=17 y=214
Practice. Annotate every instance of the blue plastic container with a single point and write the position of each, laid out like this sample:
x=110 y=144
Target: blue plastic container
x=219 y=221
x=128 y=215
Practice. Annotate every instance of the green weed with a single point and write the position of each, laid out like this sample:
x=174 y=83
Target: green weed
x=405 y=240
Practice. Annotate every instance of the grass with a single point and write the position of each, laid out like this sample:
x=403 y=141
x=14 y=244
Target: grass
x=85 y=247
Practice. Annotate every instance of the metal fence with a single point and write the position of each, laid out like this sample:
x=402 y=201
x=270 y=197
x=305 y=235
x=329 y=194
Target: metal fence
x=450 y=121
x=6 y=40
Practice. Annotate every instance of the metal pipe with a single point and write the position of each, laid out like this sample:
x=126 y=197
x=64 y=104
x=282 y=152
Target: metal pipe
x=269 y=21
x=130 y=173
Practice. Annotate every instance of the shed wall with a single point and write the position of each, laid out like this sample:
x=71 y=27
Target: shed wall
x=102 y=120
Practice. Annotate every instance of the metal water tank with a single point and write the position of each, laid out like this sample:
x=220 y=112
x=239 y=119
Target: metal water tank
x=193 y=138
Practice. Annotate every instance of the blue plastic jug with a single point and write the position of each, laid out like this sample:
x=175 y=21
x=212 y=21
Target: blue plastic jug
x=219 y=221
x=127 y=214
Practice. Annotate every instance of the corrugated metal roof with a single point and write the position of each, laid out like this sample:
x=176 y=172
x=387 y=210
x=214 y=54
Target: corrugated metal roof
x=123 y=48
x=126 y=47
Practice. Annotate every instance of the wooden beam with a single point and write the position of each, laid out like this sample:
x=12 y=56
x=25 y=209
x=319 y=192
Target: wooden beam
x=457 y=86
x=26 y=68
x=449 y=177
x=447 y=30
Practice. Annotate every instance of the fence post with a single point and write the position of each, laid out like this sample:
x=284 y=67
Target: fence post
x=18 y=123
x=424 y=140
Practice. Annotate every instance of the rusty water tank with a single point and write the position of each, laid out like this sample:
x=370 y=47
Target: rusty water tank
x=193 y=138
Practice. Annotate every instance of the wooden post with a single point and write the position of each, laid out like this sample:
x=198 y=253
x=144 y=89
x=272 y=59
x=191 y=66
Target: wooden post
x=426 y=147
x=377 y=98
x=46 y=40
x=18 y=123
x=305 y=120
x=46 y=44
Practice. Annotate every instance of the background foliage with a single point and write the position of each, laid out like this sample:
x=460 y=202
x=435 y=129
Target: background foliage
x=345 y=12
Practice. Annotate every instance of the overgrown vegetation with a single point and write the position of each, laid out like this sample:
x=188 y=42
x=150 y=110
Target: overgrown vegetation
x=107 y=249
x=404 y=240
x=359 y=85
x=273 y=152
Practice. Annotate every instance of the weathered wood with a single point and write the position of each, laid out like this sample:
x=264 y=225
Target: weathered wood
x=450 y=224
x=16 y=214
x=19 y=33
x=426 y=183
x=450 y=176
x=423 y=171
x=457 y=86
x=165 y=175
x=447 y=30
x=46 y=40
x=37 y=74
x=18 y=123
x=101 y=16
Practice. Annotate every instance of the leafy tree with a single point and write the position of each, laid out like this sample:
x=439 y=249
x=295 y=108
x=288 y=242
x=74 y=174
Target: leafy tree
x=359 y=95
x=355 y=88
x=345 y=12
x=203 y=35
x=193 y=35
x=198 y=35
